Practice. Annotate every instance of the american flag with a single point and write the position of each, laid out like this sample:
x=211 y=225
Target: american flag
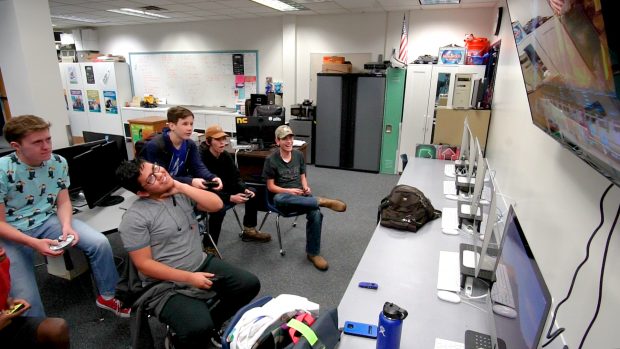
x=404 y=42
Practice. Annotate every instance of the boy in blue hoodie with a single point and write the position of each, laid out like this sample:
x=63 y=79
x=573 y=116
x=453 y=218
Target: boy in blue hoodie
x=177 y=153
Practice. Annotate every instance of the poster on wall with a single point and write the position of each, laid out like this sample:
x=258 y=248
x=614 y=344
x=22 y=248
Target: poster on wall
x=94 y=103
x=77 y=101
x=73 y=77
x=109 y=98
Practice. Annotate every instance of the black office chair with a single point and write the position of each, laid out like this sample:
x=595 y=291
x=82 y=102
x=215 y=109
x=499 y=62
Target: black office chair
x=270 y=207
x=269 y=110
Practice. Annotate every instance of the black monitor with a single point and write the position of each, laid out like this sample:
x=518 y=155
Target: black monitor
x=98 y=166
x=531 y=296
x=75 y=172
x=121 y=141
x=258 y=130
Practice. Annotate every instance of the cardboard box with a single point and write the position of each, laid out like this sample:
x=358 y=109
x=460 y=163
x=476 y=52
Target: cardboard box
x=333 y=59
x=337 y=68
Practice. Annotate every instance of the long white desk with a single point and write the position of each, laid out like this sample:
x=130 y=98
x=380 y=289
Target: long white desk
x=405 y=266
x=106 y=219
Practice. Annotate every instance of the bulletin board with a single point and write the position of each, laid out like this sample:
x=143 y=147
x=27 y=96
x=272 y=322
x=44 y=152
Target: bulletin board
x=207 y=78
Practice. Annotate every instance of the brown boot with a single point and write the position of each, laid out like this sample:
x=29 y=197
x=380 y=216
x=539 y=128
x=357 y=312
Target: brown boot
x=251 y=234
x=319 y=262
x=332 y=204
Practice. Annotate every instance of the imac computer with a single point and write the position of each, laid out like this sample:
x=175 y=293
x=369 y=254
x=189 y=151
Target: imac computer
x=98 y=169
x=521 y=329
x=466 y=140
x=121 y=141
x=257 y=130
x=480 y=261
x=469 y=205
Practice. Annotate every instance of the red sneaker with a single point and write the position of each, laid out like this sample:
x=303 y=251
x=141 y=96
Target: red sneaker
x=113 y=305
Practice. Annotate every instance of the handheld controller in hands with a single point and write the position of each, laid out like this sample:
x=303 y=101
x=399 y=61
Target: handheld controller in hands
x=15 y=308
x=63 y=244
x=210 y=184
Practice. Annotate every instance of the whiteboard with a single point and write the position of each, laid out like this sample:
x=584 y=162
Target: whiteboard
x=194 y=78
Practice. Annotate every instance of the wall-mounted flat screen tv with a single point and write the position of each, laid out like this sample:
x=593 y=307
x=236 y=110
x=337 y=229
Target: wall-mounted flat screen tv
x=569 y=55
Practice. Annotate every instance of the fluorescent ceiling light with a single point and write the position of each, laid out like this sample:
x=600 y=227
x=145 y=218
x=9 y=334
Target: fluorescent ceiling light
x=78 y=19
x=280 y=5
x=138 y=13
x=439 y=2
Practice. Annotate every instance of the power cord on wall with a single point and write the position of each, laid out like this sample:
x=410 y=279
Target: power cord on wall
x=555 y=334
x=600 y=281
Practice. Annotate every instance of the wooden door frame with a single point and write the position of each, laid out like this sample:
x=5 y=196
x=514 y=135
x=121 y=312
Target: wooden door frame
x=6 y=111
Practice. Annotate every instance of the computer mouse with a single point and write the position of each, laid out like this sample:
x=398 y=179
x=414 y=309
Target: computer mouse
x=448 y=296
x=504 y=311
x=452 y=197
x=450 y=231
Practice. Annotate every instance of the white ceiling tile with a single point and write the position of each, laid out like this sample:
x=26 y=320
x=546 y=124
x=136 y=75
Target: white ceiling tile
x=68 y=9
x=323 y=6
x=227 y=11
x=208 y=5
x=178 y=7
x=237 y=3
x=332 y=11
x=160 y=3
x=357 y=3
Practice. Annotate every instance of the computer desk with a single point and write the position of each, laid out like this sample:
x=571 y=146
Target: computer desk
x=405 y=266
x=106 y=219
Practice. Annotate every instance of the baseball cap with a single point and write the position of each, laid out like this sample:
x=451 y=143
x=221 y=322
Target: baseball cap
x=283 y=131
x=215 y=131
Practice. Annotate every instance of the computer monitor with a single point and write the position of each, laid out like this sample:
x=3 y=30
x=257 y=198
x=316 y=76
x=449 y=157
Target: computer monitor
x=258 y=130
x=466 y=140
x=99 y=180
x=75 y=172
x=121 y=141
x=531 y=296
x=487 y=260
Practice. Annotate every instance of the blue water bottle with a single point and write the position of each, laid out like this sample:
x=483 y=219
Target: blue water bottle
x=390 y=326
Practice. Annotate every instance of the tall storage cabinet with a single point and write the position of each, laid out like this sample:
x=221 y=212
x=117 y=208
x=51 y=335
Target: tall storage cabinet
x=394 y=96
x=421 y=98
x=94 y=93
x=349 y=120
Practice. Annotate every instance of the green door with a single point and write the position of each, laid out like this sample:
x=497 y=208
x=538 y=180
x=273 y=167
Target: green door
x=392 y=116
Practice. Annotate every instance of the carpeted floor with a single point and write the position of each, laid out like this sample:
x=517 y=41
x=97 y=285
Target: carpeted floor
x=344 y=239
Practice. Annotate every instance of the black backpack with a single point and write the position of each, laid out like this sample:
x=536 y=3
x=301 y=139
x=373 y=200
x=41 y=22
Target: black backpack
x=406 y=208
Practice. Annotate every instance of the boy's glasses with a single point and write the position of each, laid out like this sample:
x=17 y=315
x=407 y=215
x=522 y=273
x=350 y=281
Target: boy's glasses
x=151 y=179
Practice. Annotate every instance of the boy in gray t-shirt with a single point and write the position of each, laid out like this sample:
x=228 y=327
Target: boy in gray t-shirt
x=160 y=233
x=285 y=173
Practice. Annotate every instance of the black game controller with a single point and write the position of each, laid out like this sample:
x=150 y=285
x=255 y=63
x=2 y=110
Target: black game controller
x=210 y=184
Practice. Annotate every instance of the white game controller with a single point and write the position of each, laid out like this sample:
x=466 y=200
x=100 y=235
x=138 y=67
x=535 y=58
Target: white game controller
x=63 y=244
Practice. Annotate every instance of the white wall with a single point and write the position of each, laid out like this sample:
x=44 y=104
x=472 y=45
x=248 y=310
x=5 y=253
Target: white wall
x=29 y=64
x=557 y=196
x=431 y=29
x=264 y=35
x=374 y=33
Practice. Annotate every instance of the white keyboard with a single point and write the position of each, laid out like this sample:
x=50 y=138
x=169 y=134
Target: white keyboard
x=501 y=292
x=446 y=344
x=448 y=170
x=449 y=271
x=449 y=218
x=449 y=188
